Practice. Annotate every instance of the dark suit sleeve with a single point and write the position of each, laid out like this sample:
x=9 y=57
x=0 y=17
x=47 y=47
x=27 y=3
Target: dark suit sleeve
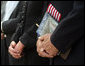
x=29 y=38
x=10 y=25
x=34 y=15
x=70 y=29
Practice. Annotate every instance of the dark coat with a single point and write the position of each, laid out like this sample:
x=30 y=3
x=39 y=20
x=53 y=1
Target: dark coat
x=70 y=32
x=25 y=19
x=9 y=28
x=6 y=41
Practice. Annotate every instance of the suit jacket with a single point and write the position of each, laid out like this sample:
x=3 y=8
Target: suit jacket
x=9 y=28
x=68 y=23
x=32 y=16
x=70 y=32
x=13 y=20
x=66 y=35
x=26 y=33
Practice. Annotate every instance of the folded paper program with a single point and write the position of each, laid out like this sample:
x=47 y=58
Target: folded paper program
x=49 y=22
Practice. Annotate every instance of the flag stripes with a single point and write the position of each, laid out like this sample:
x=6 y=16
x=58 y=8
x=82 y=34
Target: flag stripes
x=54 y=13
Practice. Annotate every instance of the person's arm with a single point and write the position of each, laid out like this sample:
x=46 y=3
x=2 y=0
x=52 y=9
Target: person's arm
x=28 y=38
x=10 y=25
x=70 y=29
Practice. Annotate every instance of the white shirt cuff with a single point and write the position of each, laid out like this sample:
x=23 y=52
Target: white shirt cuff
x=1 y=26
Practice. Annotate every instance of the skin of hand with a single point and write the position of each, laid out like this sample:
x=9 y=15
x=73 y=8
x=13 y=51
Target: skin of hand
x=16 y=49
x=2 y=36
x=45 y=48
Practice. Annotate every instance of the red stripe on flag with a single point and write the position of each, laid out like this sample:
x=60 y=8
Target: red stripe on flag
x=59 y=17
x=55 y=14
x=48 y=7
x=52 y=10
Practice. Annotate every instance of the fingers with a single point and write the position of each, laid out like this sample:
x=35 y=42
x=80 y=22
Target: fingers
x=43 y=37
x=13 y=51
x=16 y=56
x=51 y=52
x=44 y=54
x=39 y=43
x=49 y=49
x=19 y=46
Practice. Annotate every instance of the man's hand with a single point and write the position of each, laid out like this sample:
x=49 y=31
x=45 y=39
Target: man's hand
x=12 y=50
x=2 y=36
x=19 y=47
x=45 y=48
x=16 y=49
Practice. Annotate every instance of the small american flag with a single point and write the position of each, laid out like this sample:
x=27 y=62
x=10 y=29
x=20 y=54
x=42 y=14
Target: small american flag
x=53 y=12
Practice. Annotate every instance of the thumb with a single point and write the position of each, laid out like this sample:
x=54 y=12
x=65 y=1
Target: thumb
x=43 y=37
